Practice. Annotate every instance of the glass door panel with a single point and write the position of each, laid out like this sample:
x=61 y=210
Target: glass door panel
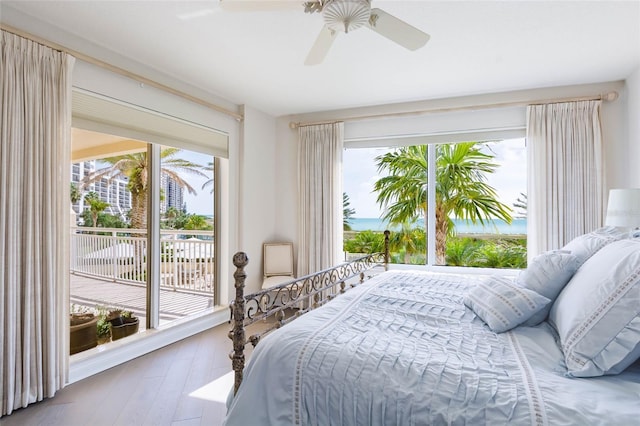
x=187 y=265
x=108 y=238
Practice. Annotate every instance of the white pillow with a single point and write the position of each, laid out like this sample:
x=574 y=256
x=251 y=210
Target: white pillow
x=502 y=304
x=547 y=274
x=597 y=315
x=586 y=245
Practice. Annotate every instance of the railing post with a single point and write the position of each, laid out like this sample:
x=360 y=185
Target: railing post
x=114 y=257
x=240 y=260
x=174 y=263
x=386 y=249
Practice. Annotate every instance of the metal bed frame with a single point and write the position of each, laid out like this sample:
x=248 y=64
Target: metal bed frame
x=302 y=294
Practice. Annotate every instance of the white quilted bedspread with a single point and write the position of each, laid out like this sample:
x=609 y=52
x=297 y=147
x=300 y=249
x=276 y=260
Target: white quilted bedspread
x=402 y=349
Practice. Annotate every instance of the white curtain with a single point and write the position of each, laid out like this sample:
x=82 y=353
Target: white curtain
x=320 y=195
x=566 y=176
x=35 y=126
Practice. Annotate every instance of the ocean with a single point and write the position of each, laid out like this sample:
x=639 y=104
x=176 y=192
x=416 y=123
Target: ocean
x=517 y=226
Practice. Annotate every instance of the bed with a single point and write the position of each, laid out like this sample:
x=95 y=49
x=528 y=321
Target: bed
x=410 y=347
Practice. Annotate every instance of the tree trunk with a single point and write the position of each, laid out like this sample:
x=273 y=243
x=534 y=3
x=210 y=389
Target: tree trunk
x=139 y=210
x=139 y=221
x=442 y=227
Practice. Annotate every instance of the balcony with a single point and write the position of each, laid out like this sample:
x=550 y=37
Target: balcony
x=108 y=269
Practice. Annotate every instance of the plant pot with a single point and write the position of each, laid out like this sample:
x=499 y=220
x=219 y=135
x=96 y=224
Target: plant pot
x=132 y=325
x=114 y=318
x=129 y=327
x=82 y=332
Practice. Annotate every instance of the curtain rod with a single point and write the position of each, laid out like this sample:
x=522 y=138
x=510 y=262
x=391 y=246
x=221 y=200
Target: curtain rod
x=609 y=97
x=120 y=71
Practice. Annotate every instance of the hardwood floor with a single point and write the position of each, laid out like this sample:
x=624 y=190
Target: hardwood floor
x=183 y=384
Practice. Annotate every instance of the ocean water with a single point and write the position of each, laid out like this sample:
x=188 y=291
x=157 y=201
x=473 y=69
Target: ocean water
x=498 y=226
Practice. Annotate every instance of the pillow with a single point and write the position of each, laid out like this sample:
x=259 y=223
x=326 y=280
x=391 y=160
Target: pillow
x=502 y=304
x=597 y=314
x=547 y=274
x=584 y=246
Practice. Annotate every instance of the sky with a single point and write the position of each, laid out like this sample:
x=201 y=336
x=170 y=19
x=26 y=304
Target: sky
x=202 y=201
x=360 y=174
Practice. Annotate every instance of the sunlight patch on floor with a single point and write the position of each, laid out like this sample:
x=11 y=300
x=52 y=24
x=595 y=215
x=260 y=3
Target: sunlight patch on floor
x=216 y=391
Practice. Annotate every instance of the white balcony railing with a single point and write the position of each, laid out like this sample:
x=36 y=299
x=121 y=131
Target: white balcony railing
x=187 y=257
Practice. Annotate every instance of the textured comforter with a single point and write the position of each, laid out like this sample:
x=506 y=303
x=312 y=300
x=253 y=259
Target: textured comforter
x=402 y=349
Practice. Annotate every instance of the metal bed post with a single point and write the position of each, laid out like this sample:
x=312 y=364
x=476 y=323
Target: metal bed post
x=386 y=249
x=240 y=260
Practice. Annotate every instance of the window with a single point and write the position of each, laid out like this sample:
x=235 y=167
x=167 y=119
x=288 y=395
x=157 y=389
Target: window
x=477 y=197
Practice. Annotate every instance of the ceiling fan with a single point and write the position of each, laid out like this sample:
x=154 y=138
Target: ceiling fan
x=342 y=16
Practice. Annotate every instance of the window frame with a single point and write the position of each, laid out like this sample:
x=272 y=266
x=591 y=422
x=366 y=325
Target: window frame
x=431 y=141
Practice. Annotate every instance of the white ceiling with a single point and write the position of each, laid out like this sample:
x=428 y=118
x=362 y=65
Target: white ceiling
x=256 y=58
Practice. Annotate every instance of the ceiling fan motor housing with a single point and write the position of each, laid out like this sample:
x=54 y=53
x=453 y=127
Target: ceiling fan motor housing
x=346 y=15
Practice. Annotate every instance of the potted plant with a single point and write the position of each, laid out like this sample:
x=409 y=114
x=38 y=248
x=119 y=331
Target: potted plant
x=114 y=317
x=82 y=331
x=131 y=322
x=103 y=331
x=124 y=325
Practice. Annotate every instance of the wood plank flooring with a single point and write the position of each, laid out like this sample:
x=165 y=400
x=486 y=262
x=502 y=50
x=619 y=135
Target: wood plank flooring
x=173 y=304
x=184 y=384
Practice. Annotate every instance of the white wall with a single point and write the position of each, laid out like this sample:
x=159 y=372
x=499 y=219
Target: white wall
x=260 y=192
x=287 y=175
x=633 y=129
x=69 y=40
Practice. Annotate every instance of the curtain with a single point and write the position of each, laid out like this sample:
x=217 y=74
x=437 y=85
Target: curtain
x=566 y=176
x=35 y=125
x=320 y=195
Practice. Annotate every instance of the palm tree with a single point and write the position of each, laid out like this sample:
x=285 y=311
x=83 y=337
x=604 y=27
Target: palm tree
x=409 y=241
x=74 y=193
x=461 y=188
x=347 y=212
x=521 y=204
x=209 y=168
x=170 y=216
x=96 y=206
x=197 y=222
x=365 y=242
x=134 y=167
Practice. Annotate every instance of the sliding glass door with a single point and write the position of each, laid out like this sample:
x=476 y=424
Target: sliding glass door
x=119 y=190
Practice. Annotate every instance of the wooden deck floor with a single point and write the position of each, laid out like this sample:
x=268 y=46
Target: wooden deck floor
x=92 y=292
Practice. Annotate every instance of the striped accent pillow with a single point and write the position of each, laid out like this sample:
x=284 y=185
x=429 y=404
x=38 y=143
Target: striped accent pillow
x=547 y=274
x=597 y=314
x=586 y=245
x=503 y=304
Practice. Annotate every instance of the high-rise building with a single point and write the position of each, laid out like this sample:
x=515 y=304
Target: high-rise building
x=113 y=191
x=172 y=192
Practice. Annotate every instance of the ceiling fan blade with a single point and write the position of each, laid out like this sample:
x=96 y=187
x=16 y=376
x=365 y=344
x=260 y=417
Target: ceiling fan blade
x=397 y=30
x=321 y=46
x=259 y=5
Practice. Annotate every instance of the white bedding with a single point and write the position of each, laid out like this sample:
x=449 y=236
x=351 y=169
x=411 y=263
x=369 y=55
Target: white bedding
x=403 y=349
